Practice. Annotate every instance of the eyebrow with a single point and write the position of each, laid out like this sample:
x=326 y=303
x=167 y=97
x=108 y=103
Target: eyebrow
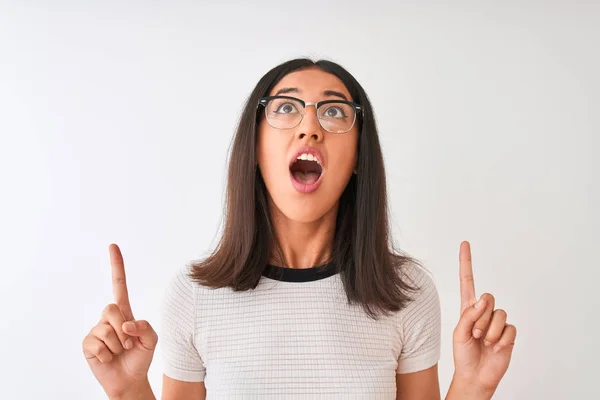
x=325 y=93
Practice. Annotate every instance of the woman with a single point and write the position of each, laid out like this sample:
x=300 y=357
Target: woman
x=304 y=296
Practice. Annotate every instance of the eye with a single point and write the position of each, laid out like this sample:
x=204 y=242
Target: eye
x=334 y=112
x=286 y=108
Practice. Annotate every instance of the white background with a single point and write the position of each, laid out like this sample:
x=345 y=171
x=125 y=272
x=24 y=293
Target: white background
x=116 y=119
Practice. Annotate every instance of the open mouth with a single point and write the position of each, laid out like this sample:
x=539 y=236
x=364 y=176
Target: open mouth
x=306 y=171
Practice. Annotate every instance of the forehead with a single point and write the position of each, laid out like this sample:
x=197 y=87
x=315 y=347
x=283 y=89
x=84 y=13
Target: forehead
x=311 y=82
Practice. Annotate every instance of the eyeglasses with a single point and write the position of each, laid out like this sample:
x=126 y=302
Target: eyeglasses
x=286 y=112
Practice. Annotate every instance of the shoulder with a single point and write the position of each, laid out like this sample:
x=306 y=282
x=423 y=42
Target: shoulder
x=425 y=298
x=180 y=288
x=180 y=279
x=418 y=277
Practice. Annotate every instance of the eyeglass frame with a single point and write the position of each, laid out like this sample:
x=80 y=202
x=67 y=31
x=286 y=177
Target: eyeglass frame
x=357 y=109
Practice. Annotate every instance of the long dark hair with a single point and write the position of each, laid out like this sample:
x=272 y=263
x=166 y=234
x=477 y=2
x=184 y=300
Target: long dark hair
x=363 y=252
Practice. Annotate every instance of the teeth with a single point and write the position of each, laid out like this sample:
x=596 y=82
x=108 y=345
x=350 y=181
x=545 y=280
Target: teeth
x=308 y=157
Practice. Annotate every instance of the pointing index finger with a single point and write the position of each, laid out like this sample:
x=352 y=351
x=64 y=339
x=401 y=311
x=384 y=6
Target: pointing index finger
x=467 y=283
x=119 y=282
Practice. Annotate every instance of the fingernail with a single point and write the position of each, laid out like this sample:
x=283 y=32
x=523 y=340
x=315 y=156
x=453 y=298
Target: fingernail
x=497 y=348
x=128 y=344
x=130 y=326
x=487 y=343
x=477 y=333
x=479 y=303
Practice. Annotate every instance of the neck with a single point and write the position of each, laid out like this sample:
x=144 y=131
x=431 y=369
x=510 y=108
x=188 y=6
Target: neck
x=302 y=244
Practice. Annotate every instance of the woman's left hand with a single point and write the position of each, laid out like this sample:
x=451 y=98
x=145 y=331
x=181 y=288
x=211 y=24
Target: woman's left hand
x=483 y=341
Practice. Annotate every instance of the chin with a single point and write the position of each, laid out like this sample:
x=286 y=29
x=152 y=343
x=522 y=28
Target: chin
x=303 y=216
x=303 y=211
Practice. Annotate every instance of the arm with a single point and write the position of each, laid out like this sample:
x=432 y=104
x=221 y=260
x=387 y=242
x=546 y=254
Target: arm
x=143 y=391
x=460 y=391
x=420 y=333
x=180 y=390
x=422 y=385
x=184 y=371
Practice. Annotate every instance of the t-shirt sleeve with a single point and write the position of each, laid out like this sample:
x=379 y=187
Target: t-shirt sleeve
x=420 y=325
x=177 y=339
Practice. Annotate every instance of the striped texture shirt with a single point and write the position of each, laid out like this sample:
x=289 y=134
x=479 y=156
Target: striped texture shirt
x=295 y=337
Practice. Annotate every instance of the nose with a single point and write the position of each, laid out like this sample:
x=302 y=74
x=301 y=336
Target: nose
x=310 y=125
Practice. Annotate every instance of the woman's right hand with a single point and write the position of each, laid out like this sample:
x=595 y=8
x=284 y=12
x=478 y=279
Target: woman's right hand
x=119 y=349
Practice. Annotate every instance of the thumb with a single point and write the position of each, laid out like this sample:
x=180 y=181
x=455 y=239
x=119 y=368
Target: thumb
x=464 y=329
x=143 y=331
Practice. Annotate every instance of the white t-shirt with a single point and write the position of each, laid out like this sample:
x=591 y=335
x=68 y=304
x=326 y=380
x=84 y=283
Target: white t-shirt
x=295 y=337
